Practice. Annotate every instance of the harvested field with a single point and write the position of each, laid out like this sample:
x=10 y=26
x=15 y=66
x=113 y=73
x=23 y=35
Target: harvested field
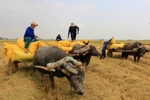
x=108 y=79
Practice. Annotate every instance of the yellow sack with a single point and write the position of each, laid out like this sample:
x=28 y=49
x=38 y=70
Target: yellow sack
x=41 y=43
x=52 y=43
x=5 y=48
x=66 y=49
x=8 y=50
x=32 y=47
x=116 y=46
x=85 y=41
x=76 y=42
x=113 y=41
x=19 y=54
x=64 y=43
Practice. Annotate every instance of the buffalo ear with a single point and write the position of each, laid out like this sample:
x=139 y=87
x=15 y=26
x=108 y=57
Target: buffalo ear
x=65 y=72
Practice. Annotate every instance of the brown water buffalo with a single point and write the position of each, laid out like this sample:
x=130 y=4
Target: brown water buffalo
x=140 y=50
x=46 y=55
x=85 y=55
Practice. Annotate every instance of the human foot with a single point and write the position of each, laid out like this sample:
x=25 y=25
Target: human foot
x=26 y=51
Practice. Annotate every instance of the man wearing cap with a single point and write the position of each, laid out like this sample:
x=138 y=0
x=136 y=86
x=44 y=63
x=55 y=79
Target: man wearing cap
x=73 y=29
x=29 y=36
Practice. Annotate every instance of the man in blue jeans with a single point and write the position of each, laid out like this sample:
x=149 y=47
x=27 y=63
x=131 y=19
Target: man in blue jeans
x=104 y=48
x=29 y=36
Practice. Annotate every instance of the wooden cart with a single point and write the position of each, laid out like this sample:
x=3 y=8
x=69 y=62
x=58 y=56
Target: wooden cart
x=13 y=66
x=110 y=51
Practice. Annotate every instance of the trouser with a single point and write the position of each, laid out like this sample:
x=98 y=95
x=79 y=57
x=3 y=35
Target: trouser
x=27 y=41
x=103 y=54
x=73 y=36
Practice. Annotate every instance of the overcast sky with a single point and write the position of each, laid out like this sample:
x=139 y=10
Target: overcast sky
x=97 y=19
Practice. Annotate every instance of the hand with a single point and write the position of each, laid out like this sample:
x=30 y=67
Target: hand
x=36 y=36
x=68 y=36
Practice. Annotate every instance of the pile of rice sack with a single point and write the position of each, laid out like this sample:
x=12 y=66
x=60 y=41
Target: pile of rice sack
x=16 y=51
x=67 y=45
x=114 y=45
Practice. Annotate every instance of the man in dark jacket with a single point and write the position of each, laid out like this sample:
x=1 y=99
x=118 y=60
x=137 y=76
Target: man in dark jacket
x=29 y=36
x=74 y=30
x=104 y=48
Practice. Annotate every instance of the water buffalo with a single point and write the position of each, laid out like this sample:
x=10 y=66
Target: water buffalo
x=140 y=50
x=45 y=55
x=85 y=55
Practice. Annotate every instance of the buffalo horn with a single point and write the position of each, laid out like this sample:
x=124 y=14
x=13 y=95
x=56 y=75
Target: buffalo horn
x=140 y=46
x=70 y=68
x=77 y=63
x=62 y=61
x=44 y=68
x=65 y=72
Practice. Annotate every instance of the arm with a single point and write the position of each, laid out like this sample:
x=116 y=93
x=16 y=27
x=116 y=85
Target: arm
x=77 y=28
x=60 y=38
x=68 y=32
x=108 y=41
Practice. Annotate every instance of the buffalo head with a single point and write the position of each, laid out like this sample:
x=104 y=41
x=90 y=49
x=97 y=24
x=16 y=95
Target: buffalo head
x=94 y=51
x=76 y=79
x=142 y=50
x=84 y=53
x=81 y=49
x=74 y=74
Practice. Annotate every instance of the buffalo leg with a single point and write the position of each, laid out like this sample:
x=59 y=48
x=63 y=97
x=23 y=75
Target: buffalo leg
x=138 y=59
x=126 y=56
x=52 y=80
x=134 y=58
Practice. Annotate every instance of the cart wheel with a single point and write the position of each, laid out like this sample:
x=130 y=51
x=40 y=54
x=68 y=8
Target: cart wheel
x=110 y=53
x=12 y=67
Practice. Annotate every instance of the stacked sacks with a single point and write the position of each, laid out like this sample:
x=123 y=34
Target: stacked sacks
x=85 y=41
x=72 y=43
x=14 y=52
x=32 y=47
x=114 y=45
x=113 y=41
x=41 y=43
x=65 y=45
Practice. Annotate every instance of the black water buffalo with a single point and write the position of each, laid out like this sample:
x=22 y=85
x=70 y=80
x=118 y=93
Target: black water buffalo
x=85 y=56
x=45 y=55
x=140 y=50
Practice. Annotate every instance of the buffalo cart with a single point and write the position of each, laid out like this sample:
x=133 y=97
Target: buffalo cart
x=110 y=51
x=14 y=66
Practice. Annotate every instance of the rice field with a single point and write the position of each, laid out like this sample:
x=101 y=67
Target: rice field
x=112 y=78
